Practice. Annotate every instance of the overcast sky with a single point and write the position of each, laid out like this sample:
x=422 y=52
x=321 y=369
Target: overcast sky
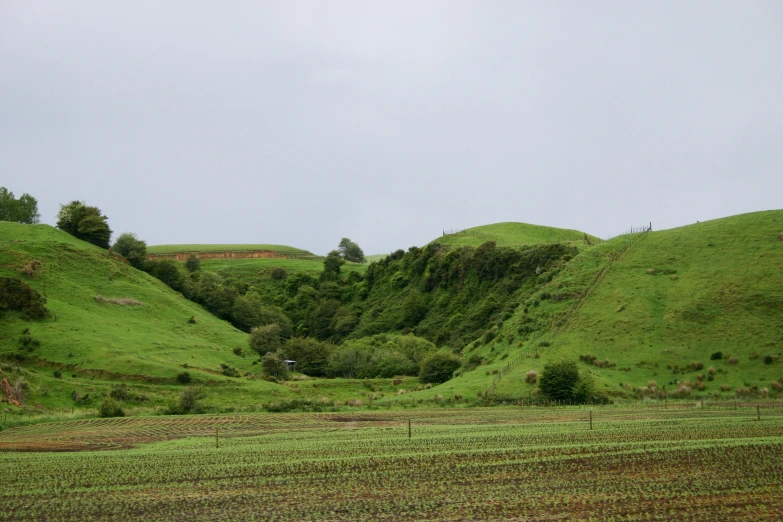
x=302 y=122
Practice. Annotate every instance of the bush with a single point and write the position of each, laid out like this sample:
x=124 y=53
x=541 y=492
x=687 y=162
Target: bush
x=311 y=356
x=274 y=365
x=716 y=355
x=265 y=339
x=193 y=263
x=560 y=381
x=17 y=295
x=238 y=351
x=531 y=377
x=439 y=367
x=120 y=392
x=110 y=408
x=278 y=273
x=769 y=359
x=57 y=374
x=189 y=401
x=183 y=378
x=228 y=371
x=131 y=248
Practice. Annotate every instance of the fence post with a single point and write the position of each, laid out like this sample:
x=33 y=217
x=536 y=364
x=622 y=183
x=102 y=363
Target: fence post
x=409 y=428
x=217 y=437
x=758 y=412
x=591 y=419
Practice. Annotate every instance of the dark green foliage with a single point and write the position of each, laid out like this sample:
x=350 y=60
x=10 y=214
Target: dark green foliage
x=439 y=367
x=265 y=339
x=769 y=359
x=131 y=248
x=193 y=263
x=183 y=378
x=311 y=356
x=120 y=392
x=110 y=408
x=189 y=401
x=274 y=365
x=167 y=271
x=379 y=356
x=561 y=381
x=452 y=296
x=22 y=210
x=57 y=374
x=17 y=295
x=228 y=371
x=716 y=355
x=278 y=272
x=319 y=318
x=332 y=265
x=83 y=222
x=350 y=251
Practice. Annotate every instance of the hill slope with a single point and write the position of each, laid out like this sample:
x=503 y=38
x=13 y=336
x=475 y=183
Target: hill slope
x=153 y=339
x=511 y=234
x=671 y=300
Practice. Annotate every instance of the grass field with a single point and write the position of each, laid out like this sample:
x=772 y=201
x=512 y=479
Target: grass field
x=256 y=265
x=513 y=234
x=505 y=463
x=177 y=249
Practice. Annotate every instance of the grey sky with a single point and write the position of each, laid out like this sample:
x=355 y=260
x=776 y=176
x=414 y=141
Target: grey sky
x=304 y=122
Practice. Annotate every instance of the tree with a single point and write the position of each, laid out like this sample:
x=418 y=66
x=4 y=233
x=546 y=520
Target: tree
x=22 y=210
x=83 y=222
x=311 y=356
x=560 y=381
x=131 y=248
x=264 y=339
x=439 y=367
x=350 y=251
x=167 y=271
x=332 y=265
x=17 y=295
x=193 y=264
x=274 y=365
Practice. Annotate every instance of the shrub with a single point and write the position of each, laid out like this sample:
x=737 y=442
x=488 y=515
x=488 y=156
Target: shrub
x=754 y=356
x=716 y=355
x=17 y=295
x=725 y=387
x=695 y=366
x=183 y=378
x=531 y=377
x=439 y=367
x=311 y=356
x=238 y=351
x=193 y=263
x=278 y=272
x=110 y=408
x=560 y=381
x=57 y=374
x=189 y=401
x=274 y=365
x=769 y=359
x=228 y=371
x=732 y=360
x=120 y=392
x=544 y=344
x=265 y=339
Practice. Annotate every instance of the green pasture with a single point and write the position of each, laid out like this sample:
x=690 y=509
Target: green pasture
x=178 y=249
x=513 y=234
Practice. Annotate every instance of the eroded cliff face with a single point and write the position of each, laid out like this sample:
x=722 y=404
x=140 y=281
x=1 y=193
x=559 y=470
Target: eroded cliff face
x=254 y=254
x=8 y=392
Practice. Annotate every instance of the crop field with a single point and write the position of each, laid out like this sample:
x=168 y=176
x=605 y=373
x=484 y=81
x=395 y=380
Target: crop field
x=458 y=464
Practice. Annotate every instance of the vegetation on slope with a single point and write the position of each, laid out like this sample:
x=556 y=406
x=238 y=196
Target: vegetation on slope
x=196 y=248
x=692 y=311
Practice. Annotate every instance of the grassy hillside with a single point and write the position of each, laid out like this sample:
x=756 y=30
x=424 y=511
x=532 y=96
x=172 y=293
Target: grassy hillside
x=512 y=234
x=177 y=249
x=663 y=307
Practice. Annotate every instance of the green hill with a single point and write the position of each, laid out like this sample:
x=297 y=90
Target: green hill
x=184 y=249
x=662 y=308
x=513 y=234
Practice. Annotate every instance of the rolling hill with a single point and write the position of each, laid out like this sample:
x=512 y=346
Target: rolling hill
x=512 y=235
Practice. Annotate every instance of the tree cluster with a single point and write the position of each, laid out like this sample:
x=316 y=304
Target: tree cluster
x=561 y=381
x=84 y=222
x=22 y=210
